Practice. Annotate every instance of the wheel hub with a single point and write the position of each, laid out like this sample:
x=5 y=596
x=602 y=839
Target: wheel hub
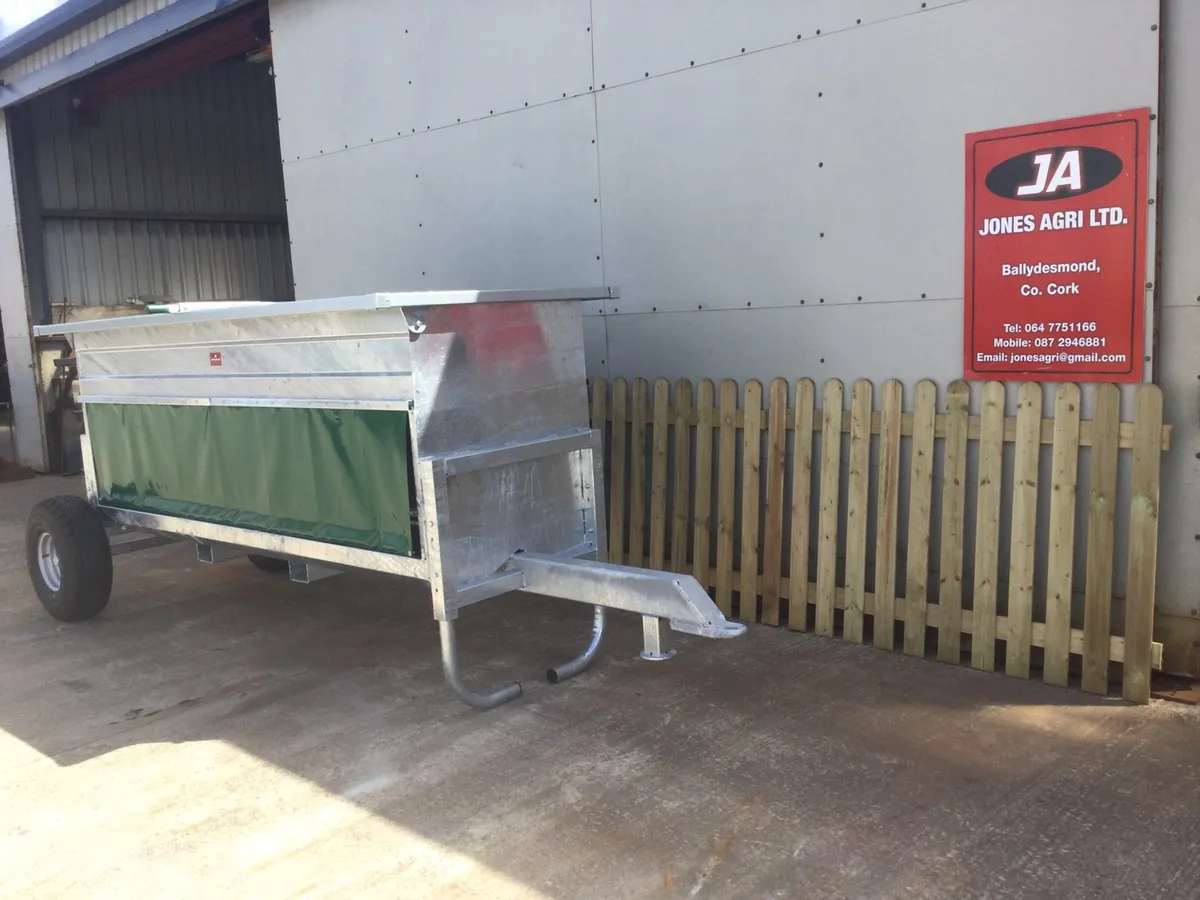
x=48 y=562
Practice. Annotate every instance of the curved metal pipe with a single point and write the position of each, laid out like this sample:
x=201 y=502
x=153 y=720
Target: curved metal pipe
x=490 y=700
x=581 y=662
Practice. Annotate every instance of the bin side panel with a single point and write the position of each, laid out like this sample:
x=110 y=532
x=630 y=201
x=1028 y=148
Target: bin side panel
x=333 y=475
x=489 y=374
x=539 y=506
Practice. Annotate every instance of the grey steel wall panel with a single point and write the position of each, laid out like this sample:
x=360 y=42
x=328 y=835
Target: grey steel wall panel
x=1181 y=138
x=14 y=320
x=636 y=40
x=418 y=66
x=176 y=191
x=1179 y=315
x=1179 y=514
x=205 y=143
x=508 y=202
x=103 y=263
x=832 y=169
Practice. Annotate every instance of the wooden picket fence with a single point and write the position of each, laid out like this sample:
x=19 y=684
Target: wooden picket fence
x=684 y=515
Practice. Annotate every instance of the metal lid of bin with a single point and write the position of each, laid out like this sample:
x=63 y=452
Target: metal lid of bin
x=266 y=309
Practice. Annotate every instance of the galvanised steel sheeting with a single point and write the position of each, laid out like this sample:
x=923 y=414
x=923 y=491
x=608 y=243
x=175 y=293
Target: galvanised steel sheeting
x=419 y=66
x=512 y=200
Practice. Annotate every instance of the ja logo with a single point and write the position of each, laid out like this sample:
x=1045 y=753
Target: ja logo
x=1053 y=173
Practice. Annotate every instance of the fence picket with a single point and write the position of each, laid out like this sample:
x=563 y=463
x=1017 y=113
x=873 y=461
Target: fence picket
x=801 y=504
x=726 y=468
x=1061 y=563
x=920 y=511
x=1024 y=531
x=599 y=413
x=1143 y=544
x=658 y=475
x=954 y=488
x=987 y=527
x=772 y=555
x=857 y=496
x=751 y=469
x=637 y=472
x=702 y=485
x=680 y=499
x=616 y=508
x=887 y=513
x=827 y=524
x=1102 y=504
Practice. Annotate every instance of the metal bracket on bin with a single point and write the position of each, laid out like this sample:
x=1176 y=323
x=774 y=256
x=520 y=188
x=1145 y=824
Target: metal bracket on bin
x=662 y=598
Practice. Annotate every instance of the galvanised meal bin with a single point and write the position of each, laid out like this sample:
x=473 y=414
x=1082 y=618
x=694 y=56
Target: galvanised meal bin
x=435 y=435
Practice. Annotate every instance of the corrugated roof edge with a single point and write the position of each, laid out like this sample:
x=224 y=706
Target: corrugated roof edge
x=49 y=28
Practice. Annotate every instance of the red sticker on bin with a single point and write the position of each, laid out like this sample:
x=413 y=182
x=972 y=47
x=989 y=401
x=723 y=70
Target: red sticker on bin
x=214 y=358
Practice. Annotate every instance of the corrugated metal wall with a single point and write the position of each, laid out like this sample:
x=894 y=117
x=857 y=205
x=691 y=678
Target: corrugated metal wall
x=177 y=191
x=81 y=37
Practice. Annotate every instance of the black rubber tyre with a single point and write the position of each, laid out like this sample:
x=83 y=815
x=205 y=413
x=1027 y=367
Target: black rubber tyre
x=70 y=563
x=272 y=564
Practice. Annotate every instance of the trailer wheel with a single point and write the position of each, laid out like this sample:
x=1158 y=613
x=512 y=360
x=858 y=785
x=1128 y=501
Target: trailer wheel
x=70 y=563
x=272 y=564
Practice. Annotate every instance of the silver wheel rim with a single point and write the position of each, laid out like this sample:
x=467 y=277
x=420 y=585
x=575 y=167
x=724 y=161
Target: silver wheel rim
x=48 y=562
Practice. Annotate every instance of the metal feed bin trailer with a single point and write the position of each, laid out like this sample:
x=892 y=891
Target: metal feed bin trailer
x=439 y=435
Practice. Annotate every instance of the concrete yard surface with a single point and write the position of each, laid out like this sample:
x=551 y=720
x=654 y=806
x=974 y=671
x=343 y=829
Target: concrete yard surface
x=221 y=732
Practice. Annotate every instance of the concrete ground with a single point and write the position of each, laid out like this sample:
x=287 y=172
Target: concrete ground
x=220 y=732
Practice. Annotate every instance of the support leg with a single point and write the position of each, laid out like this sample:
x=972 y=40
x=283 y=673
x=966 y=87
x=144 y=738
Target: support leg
x=655 y=640
x=490 y=700
x=581 y=662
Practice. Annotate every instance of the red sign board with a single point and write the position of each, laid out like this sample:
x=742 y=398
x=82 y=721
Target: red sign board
x=1056 y=250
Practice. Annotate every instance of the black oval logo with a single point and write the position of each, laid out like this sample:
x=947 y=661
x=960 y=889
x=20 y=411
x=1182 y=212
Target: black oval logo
x=1053 y=173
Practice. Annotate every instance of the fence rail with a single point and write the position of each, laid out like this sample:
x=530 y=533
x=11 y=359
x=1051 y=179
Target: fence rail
x=699 y=484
